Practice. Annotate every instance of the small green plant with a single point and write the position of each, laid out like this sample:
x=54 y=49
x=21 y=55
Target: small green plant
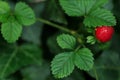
x=12 y=21
x=63 y=64
x=82 y=57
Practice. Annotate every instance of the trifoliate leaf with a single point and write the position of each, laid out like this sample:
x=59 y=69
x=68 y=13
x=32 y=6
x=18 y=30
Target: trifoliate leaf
x=100 y=17
x=77 y=7
x=84 y=59
x=63 y=64
x=11 y=30
x=66 y=41
x=4 y=11
x=24 y=14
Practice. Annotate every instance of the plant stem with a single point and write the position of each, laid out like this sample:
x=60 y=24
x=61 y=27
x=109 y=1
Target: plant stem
x=74 y=33
x=77 y=48
x=96 y=74
x=9 y=62
x=54 y=25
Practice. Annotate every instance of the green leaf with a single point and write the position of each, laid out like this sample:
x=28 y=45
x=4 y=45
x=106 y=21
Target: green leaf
x=11 y=30
x=107 y=66
x=100 y=17
x=77 y=7
x=54 y=12
x=91 y=39
x=63 y=64
x=36 y=72
x=66 y=41
x=84 y=59
x=4 y=11
x=24 y=14
x=99 y=3
x=33 y=52
x=13 y=59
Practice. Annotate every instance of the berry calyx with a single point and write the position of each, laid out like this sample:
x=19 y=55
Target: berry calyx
x=104 y=33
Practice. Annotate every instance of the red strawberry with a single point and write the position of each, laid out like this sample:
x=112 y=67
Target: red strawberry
x=104 y=33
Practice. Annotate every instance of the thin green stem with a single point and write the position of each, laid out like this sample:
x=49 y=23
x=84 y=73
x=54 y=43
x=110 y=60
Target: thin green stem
x=9 y=62
x=54 y=25
x=74 y=33
x=95 y=72
x=77 y=48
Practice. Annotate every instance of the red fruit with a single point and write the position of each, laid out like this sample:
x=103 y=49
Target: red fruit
x=104 y=33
